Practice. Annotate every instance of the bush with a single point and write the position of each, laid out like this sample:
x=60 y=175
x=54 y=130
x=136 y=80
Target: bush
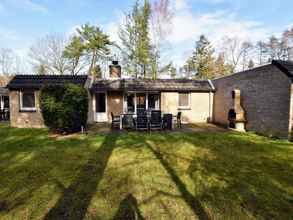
x=64 y=108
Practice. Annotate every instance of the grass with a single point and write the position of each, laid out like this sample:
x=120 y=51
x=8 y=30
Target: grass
x=144 y=176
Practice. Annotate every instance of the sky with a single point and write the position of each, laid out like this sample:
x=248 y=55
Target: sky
x=22 y=22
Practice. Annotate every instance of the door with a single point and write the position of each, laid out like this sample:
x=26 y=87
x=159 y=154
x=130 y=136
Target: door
x=101 y=107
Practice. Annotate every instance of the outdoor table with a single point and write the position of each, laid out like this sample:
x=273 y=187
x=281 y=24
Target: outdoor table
x=148 y=116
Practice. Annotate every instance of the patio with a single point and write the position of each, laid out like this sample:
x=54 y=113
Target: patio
x=105 y=128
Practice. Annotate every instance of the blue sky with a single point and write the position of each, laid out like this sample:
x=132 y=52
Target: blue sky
x=24 y=21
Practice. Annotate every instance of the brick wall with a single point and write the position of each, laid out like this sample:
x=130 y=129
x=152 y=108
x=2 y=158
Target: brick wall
x=265 y=97
x=24 y=119
x=114 y=104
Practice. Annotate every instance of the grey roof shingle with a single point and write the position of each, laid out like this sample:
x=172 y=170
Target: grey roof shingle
x=38 y=81
x=152 y=85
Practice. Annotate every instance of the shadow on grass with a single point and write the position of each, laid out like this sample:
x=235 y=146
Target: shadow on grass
x=128 y=209
x=244 y=175
x=191 y=201
x=76 y=198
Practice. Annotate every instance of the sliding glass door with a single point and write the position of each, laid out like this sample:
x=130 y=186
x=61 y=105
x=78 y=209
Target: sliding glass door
x=137 y=102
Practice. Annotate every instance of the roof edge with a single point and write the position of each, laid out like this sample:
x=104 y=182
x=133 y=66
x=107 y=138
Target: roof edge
x=282 y=69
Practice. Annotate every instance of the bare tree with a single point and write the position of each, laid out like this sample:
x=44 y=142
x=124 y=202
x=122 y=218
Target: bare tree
x=10 y=62
x=261 y=50
x=274 y=47
x=6 y=61
x=47 y=54
x=287 y=44
x=236 y=50
x=161 y=27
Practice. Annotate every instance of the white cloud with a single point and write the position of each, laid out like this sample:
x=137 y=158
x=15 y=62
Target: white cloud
x=180 y=4
x=28 y=5
x=188 y=26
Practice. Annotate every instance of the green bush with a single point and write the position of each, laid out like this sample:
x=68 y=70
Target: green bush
x=64 y=108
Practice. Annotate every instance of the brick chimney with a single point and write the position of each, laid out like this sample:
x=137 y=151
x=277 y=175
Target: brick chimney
x=115 y=70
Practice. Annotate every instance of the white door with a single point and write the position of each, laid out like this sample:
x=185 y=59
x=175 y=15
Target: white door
x=101 y=107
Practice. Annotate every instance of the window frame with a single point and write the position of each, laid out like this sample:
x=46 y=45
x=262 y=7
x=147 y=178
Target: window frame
x=27 y=109
x=188 y=107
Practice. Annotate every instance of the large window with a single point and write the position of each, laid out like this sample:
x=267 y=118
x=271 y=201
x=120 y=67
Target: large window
x=154 y=102
x=184 y=100
x=27 y=101
x=140 y=102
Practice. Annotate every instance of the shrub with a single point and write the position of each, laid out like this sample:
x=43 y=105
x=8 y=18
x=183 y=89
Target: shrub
x=64 y=108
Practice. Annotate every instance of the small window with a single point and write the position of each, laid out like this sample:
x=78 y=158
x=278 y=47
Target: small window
x=184 y=100
x=27 y=101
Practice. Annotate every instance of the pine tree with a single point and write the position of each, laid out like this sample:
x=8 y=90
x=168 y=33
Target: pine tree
x=136 y=44
x=250 y=64
x=73 y=52
x=221 y=68
x=202 y=61
x=90 y=43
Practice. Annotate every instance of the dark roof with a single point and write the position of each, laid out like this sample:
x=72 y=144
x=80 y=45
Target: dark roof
x=38 y=81
x=152 y=85
x=285 y=66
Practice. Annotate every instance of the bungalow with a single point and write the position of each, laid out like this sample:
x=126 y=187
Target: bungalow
x=115 y=95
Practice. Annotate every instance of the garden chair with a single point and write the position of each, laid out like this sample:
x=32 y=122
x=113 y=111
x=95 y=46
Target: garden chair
x=156 y=120
x=115 y=120
x=141 y=122
x=128 y=121
x=178 y=120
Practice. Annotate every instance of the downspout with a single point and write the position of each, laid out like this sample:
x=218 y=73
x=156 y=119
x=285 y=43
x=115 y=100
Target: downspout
x=211 y=101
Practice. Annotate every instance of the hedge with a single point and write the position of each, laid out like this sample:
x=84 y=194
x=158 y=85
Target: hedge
x=64 y=107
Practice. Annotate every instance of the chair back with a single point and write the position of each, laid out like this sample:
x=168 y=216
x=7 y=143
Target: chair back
x=112 y=116
x=156 y=117
x=179 y=115
x=127 y=121
x=168 y=121
x=142 y=121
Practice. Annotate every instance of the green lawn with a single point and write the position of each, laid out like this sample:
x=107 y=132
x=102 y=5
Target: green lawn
x=144 y=176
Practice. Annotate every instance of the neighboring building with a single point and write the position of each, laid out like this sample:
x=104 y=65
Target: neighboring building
x=24 y=93
x=266 y=97
x=4 y=98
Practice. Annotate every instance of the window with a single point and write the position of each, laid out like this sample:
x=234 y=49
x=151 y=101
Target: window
x=27 y=101
x=101 y=103
x=130 y=106
x=184 y=100
x=154 y=102
x=6 y=102
x=140 y=102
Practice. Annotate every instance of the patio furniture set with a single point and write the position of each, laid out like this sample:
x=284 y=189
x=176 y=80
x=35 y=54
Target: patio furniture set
x=146 y=120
